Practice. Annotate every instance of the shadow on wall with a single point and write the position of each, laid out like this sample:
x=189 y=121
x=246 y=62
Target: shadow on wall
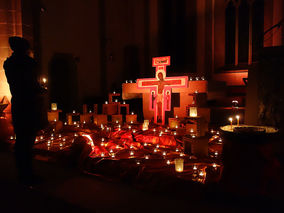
x=63 y=81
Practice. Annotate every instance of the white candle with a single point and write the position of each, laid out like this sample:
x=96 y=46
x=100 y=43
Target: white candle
x=53 y=106
x=238 y=120
x=231 y=121
x=179 y=164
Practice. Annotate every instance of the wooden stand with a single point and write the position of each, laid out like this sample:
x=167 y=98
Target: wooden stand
x=131 y=118
x=100 y=119
x=53 y=115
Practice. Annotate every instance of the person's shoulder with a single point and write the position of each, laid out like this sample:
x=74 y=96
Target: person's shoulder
x=7 y=62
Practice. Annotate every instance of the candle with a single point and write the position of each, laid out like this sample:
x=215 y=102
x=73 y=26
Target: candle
x=132 y=113
x=106 y=102
x=179 y=164
x=53 y=106
x=168 y=162
x=147 y=157
x=74 y=111
x=192 y=111
x=238 y=120
x=231 y=121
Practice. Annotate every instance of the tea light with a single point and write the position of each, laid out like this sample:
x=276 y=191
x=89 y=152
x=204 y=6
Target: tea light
x=134 y=131
x=129 y=127
x=201 y=174
x=11 y=138
x=132 y=113
x=214 y=165
x=194 y=167
x=59 y=136
x=145 y=144
x=131 y=153
x=181 y=154
x=164 y=153
x=216 y=154
x=111 y=151
x=238 y=120
x=64 y=139
x=130 y=81
x=146 y=157
x=41 y=137
x=179 y=164
x=168 y=162
x=90 y=111
x=106 y=102
x=115 y=100
x=74 y=111
x=114 y=92
x=117 y=147
x=75 y=134
x=175 y=133
x=123 y=102
x=44 y=80
x=157 y=146
x=155 y=150
x=138 y=162
x=102 y=155
x=177 y=149
x=154 y=130
x=190 y=78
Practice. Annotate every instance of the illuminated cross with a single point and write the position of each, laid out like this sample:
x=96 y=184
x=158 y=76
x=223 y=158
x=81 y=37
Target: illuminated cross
x=161 y=88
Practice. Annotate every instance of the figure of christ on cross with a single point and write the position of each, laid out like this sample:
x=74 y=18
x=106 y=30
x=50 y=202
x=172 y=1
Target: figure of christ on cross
x=160 y=88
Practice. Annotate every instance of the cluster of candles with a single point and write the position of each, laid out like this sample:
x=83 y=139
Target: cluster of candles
x=197 y=78
x=231 y=121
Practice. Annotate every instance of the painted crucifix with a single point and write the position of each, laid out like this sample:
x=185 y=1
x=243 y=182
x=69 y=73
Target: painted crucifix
x=161 y=88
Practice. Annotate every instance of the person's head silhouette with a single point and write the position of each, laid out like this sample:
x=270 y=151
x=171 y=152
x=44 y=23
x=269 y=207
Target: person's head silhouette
x=19 y=45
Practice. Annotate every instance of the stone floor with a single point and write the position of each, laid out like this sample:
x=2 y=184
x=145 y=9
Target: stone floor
x=65 y=189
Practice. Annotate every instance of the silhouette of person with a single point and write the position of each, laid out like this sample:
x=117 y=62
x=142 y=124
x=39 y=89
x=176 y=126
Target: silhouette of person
x=21 y=73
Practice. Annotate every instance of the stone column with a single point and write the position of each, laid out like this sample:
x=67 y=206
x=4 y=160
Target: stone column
x=200 y=51
x=237 y=4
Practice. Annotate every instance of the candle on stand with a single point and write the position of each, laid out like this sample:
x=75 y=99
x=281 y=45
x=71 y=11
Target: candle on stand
x=231 y=121
x=238 y=120
x=53 y=106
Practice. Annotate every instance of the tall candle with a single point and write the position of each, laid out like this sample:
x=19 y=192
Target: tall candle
x=238 y=120
x=231 y=121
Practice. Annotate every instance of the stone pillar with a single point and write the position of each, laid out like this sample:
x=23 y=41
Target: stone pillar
x=250 y=32
x=200 y=51
x=219 y=33
x=277 y=17
x=237 y=4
